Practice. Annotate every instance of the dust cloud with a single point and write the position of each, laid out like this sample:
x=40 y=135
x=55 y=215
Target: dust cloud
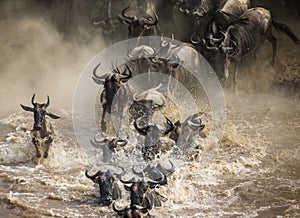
x=37 y=58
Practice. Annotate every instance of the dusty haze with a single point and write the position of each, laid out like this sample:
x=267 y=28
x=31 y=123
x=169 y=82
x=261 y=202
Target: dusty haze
x=45 y=45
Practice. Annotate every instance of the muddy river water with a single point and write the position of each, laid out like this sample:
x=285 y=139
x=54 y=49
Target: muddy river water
x=253 y=172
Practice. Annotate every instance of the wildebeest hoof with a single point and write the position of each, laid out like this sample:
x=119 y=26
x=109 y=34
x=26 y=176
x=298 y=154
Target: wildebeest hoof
x=45 y=155
x=38 y=155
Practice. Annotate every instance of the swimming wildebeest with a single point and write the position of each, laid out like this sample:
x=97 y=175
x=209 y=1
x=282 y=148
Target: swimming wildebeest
x=155 y=172
x=184 y=132
x=152 y=134
x=112 y=83
x=142 y=190
x=108 y=145
x=134 y=211
x=40 y=134
x=138 y=26
x=108 y=186
x=147 y=102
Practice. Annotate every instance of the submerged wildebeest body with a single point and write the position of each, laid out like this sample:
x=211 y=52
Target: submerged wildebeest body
x=108 y=146
x=112 y=83
x=138 y=26
x=108 y=187
x=40 y=131
x=152 y=134
x=247 y=34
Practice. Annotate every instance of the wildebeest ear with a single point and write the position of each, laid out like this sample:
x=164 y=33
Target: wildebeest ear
x=26 y=108
x=53 y=116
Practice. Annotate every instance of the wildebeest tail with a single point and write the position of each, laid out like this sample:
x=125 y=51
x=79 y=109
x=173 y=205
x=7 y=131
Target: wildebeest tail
x=285 y=29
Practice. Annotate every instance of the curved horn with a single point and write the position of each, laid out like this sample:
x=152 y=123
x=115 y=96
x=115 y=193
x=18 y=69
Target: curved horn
x=195 y=125
x=129 y=181
x=186 y=11
x=90 y=177
x=134 y=97
x=144 y=209
x=154 y=20
x=99 y=80
x=168 y=171
x=125 y=15
x=48 y=101
x=121 y=142
x=97 y=141
x=211 y=47
x=140 y=174
x=129 y=75
x=170 y=123
x=198 y=39
x=32 y=100
x=161 y=181
x=141 y=130
x=119 y=211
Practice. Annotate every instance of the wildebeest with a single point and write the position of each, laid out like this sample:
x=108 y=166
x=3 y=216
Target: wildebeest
x=155 y=172
x=108 y=187
x=141 y=56
x=112 y=83
x=143 y=190
x=247 y=34
x=152 y=135
x=134 y=211
x=40 y=134
x=149 y=100
x=202 y=9
x=138 y=26
x=185 y=132
x=222 y=18
x=108 y=145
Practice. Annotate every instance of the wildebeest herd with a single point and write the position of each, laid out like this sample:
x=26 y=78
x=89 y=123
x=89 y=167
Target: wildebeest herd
x=234 y=29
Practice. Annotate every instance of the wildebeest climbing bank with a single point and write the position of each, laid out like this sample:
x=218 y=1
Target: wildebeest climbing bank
x=150 y=108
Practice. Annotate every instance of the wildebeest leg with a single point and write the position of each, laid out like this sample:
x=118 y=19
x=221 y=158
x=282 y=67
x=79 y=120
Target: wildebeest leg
x=226 y=68
x=273 y=40
x=36 y=144
x=107 y=155
x=103 y=124
x=47 y=144
x=236 y=66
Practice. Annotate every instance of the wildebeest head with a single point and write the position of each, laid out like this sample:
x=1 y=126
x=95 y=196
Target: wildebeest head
x=152 y=135
x=204 y=8
x=156 y=173
x=109 y=189
x=116 y=76
x=108 y=145
x=167 y=58
x=184 y=131
x=140 y=190
x=39 y=111
x=152 y=96
x=134 y=211
x=138 y=26
x=210 y=48
x=112 y=82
